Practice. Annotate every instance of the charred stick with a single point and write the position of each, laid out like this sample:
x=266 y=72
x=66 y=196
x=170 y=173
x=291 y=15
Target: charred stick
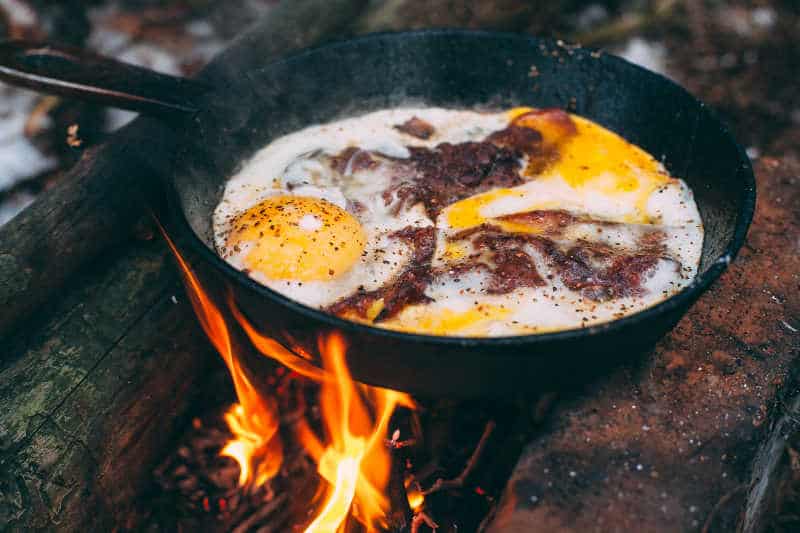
x=400 y=512
x=507 y=450
x=422 y=518
x=261 y=513
x=719 y=505
x=416 y=428
x=421 y=474
x=458 y=481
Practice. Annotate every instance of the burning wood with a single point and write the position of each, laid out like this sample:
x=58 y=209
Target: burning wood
x=362 y=475
x=354 y=462
x=458 y=482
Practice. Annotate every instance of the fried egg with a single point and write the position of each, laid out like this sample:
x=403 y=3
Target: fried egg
x=462 y=222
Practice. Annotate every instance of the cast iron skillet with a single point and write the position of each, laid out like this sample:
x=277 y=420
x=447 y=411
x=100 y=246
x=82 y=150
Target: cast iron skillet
x=220 y=127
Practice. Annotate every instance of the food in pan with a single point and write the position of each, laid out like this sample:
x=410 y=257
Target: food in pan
x=462 y=222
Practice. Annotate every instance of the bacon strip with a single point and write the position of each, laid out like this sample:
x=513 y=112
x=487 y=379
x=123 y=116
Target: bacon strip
x=438 y=177
x=416 y=127
x=406 y=289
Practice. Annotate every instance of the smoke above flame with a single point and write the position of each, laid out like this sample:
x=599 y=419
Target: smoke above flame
x=349 y=448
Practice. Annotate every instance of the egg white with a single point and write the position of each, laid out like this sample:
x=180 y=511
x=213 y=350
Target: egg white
x=287 y=167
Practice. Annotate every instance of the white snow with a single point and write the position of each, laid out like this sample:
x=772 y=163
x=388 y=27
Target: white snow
x=647 y=54
x=19 y=12
x=13 y=205
x=19 y=158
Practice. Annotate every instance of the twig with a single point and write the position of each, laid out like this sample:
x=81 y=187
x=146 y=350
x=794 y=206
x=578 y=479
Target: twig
x=421 y=474
x=458 y=481
x=628 y=24
x=416 y=428
x=262 y=513
x=400 y=511
x=35 y=121
x=422 y=518
x=722 y=501
x=397 y=444
x=697 y=12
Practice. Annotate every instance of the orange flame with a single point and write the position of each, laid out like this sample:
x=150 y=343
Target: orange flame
x=254 y=421
x=414 y=495
x=354 y=462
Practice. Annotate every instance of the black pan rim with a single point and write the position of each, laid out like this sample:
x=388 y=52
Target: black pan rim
x=683 y=298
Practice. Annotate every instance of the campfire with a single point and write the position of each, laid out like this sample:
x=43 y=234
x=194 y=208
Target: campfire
x=313 y=450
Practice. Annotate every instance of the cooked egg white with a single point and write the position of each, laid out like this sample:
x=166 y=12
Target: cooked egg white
x=317 y=235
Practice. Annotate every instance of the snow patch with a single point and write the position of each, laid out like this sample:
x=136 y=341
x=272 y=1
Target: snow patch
x=19 y=158
x=19 y=12
x=647 y=54
x=13 y=205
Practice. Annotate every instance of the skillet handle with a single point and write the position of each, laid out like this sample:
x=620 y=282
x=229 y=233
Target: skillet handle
x=69 y=71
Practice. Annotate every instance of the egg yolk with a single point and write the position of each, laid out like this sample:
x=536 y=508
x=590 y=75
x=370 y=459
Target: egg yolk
x=590 y=159
x=470 y=322
x=297 y=238
x=590 y=151
x=469 y=212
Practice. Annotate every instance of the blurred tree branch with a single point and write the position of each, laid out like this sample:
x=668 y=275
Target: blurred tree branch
x=629 y=23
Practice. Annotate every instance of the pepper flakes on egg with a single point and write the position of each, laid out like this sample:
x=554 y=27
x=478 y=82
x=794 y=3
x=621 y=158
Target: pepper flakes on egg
x=298 y=238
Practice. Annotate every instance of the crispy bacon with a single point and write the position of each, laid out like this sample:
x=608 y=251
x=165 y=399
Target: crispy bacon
x=513 y=269
x=547 y=222
x=596 y=270
x=407 y=288
x=585 y=268
x=523 y=140
x=447 y=173
x=452 y=172
x=416 y=127
x=439 y=176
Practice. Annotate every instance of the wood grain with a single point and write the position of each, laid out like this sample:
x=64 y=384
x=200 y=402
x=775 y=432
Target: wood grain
x=92 y=395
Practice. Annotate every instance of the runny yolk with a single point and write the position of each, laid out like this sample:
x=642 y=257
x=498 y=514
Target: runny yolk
x=297 y=238
x=601 y=159
x=590 y=159
x=470 y=322
x=467 y=213
x=592 y=151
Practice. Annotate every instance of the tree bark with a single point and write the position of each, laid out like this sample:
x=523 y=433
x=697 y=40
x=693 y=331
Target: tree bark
x=91 y=396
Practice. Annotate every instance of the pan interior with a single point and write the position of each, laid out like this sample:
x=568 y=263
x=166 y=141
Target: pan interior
x=464 y=70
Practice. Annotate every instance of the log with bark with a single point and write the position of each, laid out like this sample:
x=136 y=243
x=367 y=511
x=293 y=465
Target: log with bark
x=93 y=393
